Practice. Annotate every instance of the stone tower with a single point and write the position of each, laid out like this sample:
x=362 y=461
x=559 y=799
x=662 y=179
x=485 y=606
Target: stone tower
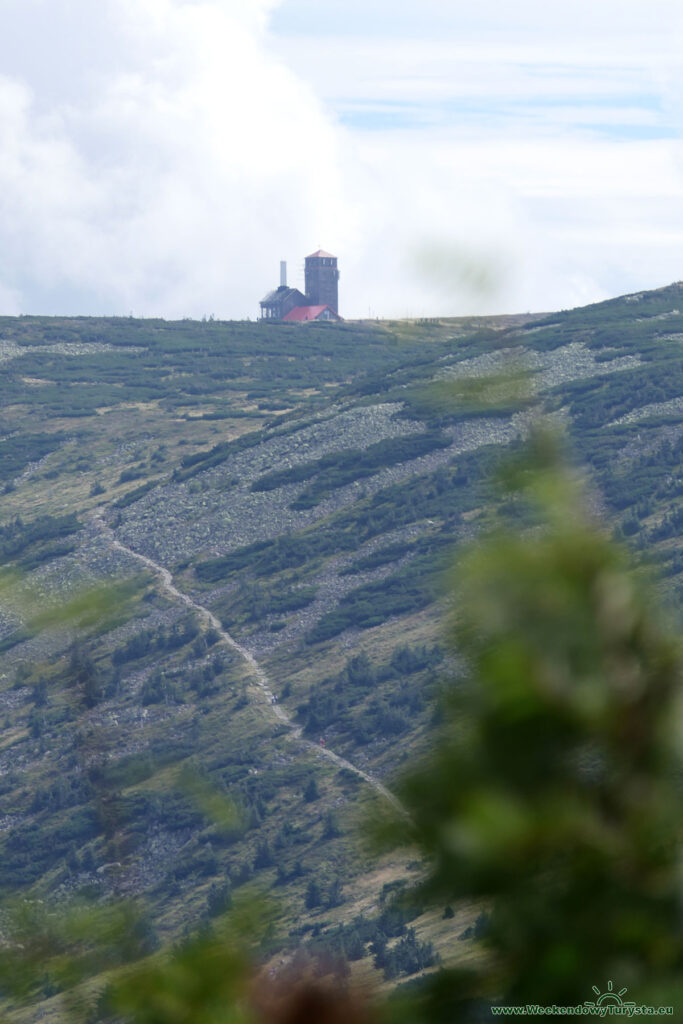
x=322 y=280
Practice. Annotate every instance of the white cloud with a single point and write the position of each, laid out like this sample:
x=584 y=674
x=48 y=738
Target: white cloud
x=176 y=175
x=541 y=133
x=161 y=156
x=566 y=221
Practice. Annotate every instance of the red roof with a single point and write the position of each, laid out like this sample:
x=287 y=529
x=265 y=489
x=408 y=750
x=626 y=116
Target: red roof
x=301 y=313
x=321 y=254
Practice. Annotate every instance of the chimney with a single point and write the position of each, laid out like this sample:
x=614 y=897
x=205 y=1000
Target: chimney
x=283 y=274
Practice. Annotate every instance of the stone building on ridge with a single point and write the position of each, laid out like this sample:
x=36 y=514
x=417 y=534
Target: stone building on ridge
x=322 y=280
x=321 y=300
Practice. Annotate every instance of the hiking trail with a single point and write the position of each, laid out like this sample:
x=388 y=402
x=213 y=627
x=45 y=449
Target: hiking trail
x=258 y=674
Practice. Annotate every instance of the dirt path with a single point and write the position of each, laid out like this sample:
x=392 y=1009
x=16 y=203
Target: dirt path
x=258 y=674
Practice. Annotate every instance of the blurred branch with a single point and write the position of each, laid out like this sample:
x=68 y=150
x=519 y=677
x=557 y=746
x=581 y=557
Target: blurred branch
x=553 y=792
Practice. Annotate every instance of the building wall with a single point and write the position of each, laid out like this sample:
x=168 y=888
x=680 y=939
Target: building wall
x=278 y=304
x=322 y=281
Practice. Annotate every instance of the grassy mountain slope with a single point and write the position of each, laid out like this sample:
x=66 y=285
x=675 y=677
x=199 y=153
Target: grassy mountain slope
x=306 y=487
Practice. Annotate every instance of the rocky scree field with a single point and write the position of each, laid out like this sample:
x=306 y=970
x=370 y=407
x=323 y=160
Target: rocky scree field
x=270 y=509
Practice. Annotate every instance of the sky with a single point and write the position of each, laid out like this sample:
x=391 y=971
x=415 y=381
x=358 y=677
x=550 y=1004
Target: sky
x=160 y=157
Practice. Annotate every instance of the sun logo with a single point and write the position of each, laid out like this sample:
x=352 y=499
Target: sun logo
x=608 y=998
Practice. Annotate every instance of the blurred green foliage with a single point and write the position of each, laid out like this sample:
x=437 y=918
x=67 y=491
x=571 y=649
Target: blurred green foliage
x=54 y=950
x=103 y=959
x=50 y=949
x=205 y=981
x=553 y=793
